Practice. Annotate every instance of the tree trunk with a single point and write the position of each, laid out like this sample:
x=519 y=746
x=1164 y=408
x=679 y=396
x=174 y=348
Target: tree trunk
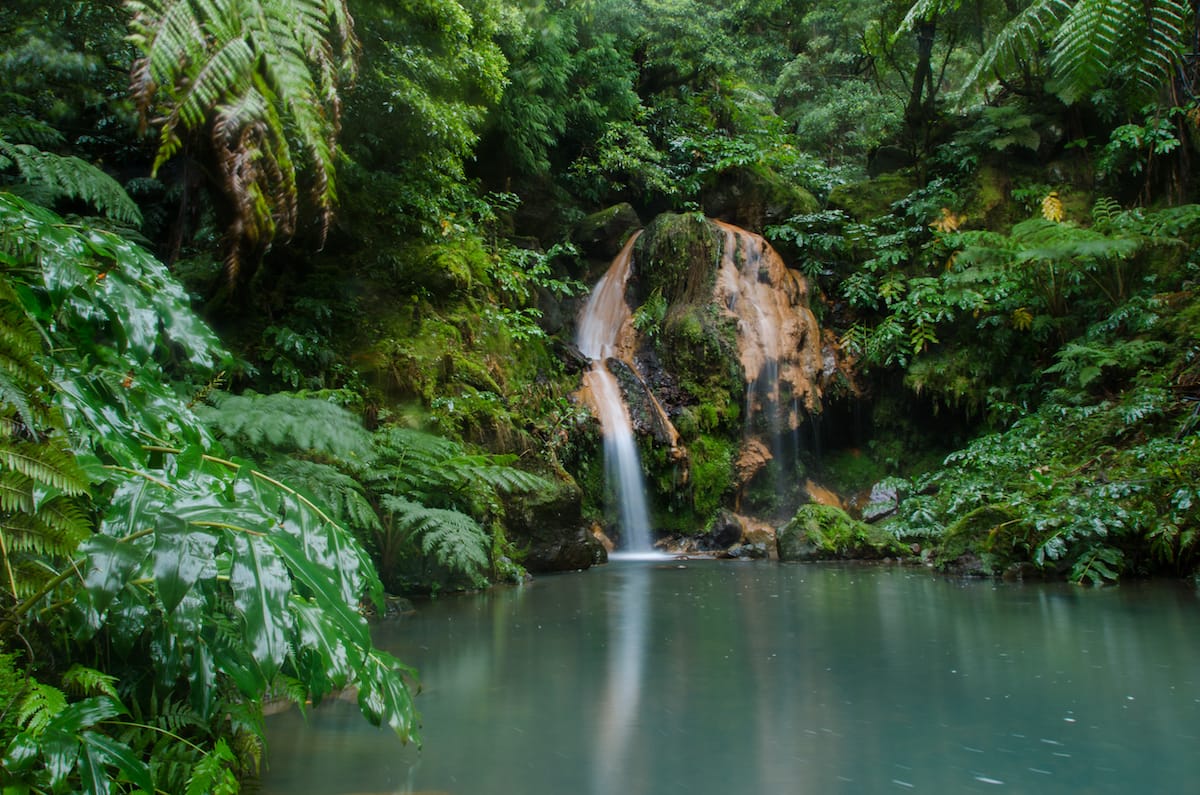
x=919 y=110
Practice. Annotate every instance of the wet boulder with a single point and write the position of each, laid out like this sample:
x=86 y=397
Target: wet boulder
x=825 y=532
x=600 y=235
x=550 y=527
x=755 y=197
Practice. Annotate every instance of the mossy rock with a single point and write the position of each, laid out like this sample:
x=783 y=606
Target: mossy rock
x=981 y=542
x=549 y=526
x=700 y=348
x=602 y=234
x=754 y=197
x=863 y=201
x=824 y=532
x=677 y=256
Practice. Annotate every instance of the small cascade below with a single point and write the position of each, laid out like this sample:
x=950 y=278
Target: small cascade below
x=605 y=331
x=779 y=344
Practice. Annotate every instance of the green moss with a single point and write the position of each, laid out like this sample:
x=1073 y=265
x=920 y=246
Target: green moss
x=823 y=532
x=677 y=255
x=872 y=198
x=711 y=476
x=603 y=232
x=985 y=541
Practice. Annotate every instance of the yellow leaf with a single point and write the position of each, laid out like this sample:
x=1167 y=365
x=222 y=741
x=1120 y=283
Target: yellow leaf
x=949 y=222
x=1022 y=319
x=1052 y=207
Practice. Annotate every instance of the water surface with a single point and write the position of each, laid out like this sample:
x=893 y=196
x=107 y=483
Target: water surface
x=754 y=678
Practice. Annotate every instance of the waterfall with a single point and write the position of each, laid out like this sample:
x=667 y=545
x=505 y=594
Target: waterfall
x=603 y=335
x=778 y=343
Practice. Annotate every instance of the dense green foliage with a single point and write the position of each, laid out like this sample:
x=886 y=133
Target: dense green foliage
x=222 y=475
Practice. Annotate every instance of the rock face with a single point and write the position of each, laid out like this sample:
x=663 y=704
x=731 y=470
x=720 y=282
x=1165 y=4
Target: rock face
x=824 y=532
x=600 y=235
x=551 y=528
x=721 y=362
x=755 y=197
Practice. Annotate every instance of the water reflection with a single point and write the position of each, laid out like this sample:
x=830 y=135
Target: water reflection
x=621 y=701
x=714 y=678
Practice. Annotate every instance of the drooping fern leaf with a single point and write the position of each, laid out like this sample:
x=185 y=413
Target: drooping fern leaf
x=1099 y=38
x=493 y=471
x=41 y=518
x=453 y=539
x=70 y=177
x=252 y=77
x=281 y=422
x=422 y=463
x=1020 y=38
x=83 y=681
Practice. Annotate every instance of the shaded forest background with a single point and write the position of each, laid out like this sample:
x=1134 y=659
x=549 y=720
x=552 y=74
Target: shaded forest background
x=289 y=287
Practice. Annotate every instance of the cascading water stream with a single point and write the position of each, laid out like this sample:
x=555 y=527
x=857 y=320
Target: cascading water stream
x=601 y=326
x=778 y=342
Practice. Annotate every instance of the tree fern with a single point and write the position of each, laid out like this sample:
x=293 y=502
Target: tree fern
x=251 y=77
x=1099 y=38
x=282 y=422
x=72 y=178
x=438 y=468
x=340 y=493
x=1020 y=39
x=452 y=539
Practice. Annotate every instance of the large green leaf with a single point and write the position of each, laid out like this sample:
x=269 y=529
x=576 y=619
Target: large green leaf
x=110 y=563
x=320 y=583
x=260 y=590
x=324 y=660
x=182 y=555
x=98 y=752
x=384 y=697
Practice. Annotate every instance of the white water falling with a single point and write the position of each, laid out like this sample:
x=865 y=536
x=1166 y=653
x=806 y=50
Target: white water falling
x=778 y=344
x=600 y=333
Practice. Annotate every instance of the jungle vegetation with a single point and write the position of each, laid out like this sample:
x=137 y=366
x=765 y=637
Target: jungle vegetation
x=286 y=288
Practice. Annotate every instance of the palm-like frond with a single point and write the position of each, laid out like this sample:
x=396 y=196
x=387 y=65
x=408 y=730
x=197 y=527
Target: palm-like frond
x=282 y=422
x=1136 y=41
x=71 y=178
x=1020 y=38
x=253 y=76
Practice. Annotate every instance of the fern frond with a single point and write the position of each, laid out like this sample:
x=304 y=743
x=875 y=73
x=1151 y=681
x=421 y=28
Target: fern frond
x=72 y=178
x=47 y=464
x=483 y=469
x=26 y=130
x=82 y=681
x=920 y=11
x=453 y=539
x=284 y=422
x=43 y=535
x=1098 y=36
x=335 y=490
x=16 y=493
x=253 y=76
x=1166 y=24
x=1021 y=36
x=42 y=703
x=176 y=716
x=213 y=774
